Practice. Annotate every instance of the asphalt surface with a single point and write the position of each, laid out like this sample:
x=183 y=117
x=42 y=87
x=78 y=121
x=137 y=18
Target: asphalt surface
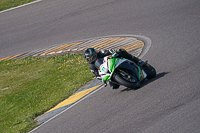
x=167 y=104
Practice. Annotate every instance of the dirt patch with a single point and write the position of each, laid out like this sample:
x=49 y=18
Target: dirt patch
x=4 y=89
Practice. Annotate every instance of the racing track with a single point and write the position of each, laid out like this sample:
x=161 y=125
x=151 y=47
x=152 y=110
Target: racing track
x=167 y=104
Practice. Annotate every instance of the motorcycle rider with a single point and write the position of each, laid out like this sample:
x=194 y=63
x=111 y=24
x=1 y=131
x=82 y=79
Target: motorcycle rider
x=91 y=56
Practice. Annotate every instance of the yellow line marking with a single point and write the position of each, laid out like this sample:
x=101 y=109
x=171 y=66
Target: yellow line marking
x=104 y=42
x=133 y=46
x=110 y=43
x=74 y=98
x=11 y=57
x=65 y=46
x=139 y=46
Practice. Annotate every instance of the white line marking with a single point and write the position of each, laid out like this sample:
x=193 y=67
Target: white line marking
x=67 y=109
x=20 y=6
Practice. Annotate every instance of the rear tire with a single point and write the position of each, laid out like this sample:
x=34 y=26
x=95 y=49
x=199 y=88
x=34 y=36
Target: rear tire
x=124 y=82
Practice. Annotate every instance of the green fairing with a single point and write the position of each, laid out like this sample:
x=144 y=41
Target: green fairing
x=113 y=63
x=139 y=72
x=106 y=78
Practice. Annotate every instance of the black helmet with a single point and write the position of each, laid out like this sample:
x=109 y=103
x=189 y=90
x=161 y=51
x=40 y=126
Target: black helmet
x=90 y=55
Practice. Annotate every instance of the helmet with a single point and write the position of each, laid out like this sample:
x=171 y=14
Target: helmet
x=90 y=55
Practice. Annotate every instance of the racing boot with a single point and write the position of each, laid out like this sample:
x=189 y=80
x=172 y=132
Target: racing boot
x=135 y=59
x=113 y=85
x=138 y=61
x=123 y=53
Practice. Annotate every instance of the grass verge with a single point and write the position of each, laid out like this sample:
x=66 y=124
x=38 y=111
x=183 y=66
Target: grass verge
x=31 y=86
x=6 y=4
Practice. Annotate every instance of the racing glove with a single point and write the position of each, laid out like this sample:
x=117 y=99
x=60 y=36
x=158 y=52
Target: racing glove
x=113 y=52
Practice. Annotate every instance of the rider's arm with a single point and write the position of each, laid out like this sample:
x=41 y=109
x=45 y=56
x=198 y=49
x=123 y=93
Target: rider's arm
x=94 y=70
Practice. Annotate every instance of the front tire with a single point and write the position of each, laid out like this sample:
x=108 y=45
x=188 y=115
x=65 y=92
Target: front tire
x=129 y=84
x=150 y=71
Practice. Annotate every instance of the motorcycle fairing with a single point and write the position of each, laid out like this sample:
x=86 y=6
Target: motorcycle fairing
x=134 y=70
x=137 y=71
x=107 y=67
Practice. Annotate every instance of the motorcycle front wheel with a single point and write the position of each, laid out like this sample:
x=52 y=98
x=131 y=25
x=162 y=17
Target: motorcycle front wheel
x=150 y=71
x=130 y=82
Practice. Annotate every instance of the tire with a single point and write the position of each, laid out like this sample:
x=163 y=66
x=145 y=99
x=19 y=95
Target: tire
x=150 y=71
x=124 y=82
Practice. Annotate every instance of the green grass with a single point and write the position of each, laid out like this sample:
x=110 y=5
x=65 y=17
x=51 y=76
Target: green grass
x=31 y=86
x=6 y=4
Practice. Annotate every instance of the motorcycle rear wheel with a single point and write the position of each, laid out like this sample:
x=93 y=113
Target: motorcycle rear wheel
x=130 y=84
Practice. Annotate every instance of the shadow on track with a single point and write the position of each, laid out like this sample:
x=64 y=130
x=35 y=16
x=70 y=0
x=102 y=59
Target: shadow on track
x=147 y=81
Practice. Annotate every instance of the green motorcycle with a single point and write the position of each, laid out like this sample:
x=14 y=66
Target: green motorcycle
x=124 y=72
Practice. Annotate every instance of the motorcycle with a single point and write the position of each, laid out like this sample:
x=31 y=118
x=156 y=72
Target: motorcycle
x=124 y=72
